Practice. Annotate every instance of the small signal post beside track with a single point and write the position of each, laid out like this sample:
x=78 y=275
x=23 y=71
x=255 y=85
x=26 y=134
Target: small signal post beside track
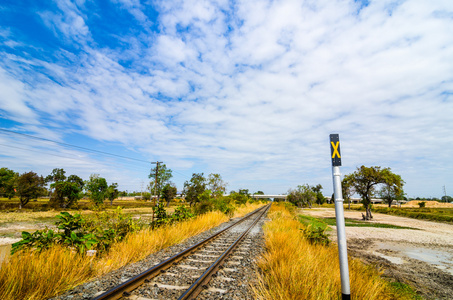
x=339 y=216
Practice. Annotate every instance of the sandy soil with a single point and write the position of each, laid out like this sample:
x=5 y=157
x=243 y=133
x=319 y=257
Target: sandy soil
x=421 y=257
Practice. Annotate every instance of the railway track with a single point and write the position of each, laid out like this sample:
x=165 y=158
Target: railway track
x=186 y=274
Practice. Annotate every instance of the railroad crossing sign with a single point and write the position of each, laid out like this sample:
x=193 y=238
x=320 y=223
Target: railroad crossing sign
x=335 y=150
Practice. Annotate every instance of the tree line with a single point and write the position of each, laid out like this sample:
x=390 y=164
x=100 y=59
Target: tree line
x=65 y=191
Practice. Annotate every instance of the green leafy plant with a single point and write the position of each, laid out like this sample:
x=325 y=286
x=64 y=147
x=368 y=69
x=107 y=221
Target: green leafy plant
x=181 y=213
x=40 y=240
x=422 y=204
x=160 y=216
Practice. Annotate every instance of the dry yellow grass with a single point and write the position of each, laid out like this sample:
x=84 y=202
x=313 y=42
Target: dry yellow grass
x=49 y=273
x=139 y=245
x=414 y=203
x=292 y=268
x=245 y=209
x=43 y=275
x=11 y=217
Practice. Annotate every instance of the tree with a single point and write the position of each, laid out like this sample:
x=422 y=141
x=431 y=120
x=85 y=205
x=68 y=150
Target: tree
x=446 y=198
x=303 y=195
x=216 y=184
x=56 y=175
x=347 y=190
x=168 y=193
x=244 y=192
x=77 y=180
x=195 y=187
x=65 y=193
x=320 y=199
x=7 y=180
x=97 y=188
x=112 y=192
x=29 y=186
x=392 y=189
x=365 y=179
x=240 y=197
x=163 y=176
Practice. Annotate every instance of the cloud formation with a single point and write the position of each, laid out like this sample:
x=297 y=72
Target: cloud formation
x=247 y=89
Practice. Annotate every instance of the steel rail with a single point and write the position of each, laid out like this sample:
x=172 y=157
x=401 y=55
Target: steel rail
x=128 y=286
x=195 y=289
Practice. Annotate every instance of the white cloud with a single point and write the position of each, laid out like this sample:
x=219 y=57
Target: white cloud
x=253 y=89
x=13 y=101
x=68 y=20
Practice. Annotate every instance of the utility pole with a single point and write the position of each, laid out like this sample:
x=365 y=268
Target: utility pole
x=141 y=190
x=156 y=190
x=445 y=194
x=155 y=187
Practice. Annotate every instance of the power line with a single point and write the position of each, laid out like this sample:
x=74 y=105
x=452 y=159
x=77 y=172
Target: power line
x=70 y=145
x=82 y=160
x=3 y=130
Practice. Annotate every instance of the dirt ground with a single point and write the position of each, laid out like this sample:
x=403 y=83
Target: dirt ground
x=421 y=257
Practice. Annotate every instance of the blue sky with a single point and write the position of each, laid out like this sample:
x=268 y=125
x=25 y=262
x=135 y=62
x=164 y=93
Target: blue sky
x=247 y=89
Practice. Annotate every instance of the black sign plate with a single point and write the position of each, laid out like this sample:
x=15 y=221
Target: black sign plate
x=335 y=150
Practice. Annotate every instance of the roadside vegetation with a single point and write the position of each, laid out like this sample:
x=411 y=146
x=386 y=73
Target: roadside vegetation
x=299 y=264
x=93 y=232
x=45 y=265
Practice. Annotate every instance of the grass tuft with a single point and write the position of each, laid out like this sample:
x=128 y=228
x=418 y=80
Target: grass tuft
x=41 y=275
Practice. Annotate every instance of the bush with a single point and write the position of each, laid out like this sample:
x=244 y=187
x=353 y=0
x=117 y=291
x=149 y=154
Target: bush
x=181 y=213
x=203 y=207
x=422 y=204
x=316 y=235
x=98 y=232
x=160 y=215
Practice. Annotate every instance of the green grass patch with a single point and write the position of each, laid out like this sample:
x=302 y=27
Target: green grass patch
x=404 y=291
x=315 y=223
x=324 y=223
x=360 y=223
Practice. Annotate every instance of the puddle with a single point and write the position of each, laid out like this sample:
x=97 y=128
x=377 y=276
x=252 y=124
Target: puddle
x=393 y=259
x=440 y=259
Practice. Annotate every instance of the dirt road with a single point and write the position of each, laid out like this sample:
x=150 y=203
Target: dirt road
x=421 y=257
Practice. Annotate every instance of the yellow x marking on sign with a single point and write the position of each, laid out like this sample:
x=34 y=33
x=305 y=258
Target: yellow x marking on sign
x=335 y=149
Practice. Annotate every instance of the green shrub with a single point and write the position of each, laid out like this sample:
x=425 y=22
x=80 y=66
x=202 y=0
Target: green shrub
x=422 y=204
x=203 y=207
x=75 y=232
x=160 y=216
x=181 y=213
x=316 y=235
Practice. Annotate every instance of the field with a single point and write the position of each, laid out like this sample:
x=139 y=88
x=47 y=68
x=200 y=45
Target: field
x=434 y=211
x=38 y=215
x=42 y=204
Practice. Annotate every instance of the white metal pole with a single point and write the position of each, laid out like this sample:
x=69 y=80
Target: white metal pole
x=339 y=214
x=341 y=234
